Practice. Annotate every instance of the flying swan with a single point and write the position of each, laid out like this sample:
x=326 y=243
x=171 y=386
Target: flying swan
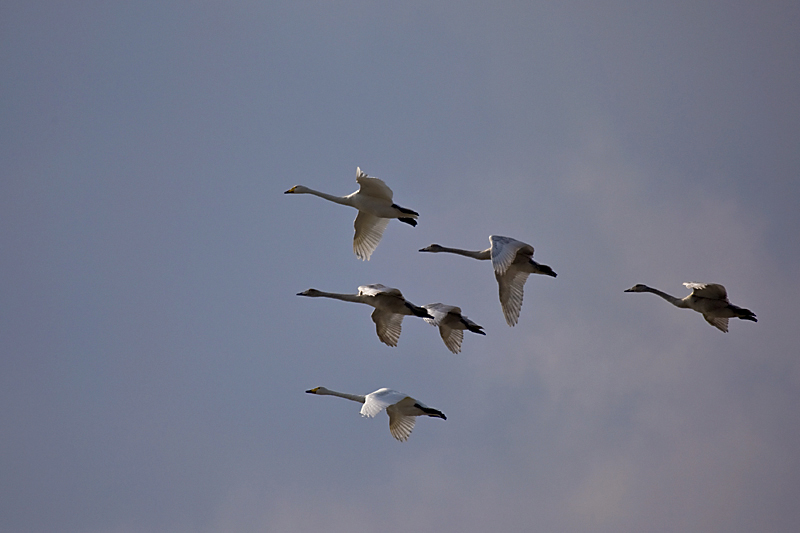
x=513 y=262
x=401 y=408
x=709 y=299
x=451 y=324
x=373 y=200
x=390 y=308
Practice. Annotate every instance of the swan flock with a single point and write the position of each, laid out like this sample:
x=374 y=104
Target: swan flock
x=512 y=263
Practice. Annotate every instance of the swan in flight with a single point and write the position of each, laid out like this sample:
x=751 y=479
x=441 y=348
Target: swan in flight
x=451 y=324
x=401 y=408
x=390 y=308
x=513 y=262
x=709 y=299
x=373 y=199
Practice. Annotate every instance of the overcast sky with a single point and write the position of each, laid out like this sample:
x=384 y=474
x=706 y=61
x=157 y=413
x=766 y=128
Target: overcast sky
x=154 y=354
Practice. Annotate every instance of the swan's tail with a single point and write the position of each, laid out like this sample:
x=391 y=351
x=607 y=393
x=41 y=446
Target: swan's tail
x=744 y=314
x=405 y=210
x=430 y=411
x=407 y=219
x=542 y=269
x=472 y=326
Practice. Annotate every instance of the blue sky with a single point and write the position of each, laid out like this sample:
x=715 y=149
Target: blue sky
x=154 y=356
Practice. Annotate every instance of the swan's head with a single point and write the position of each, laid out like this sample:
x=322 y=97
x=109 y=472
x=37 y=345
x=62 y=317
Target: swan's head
x=297 y=189
x=639 y=287
x=317 y=390
x=432 y=248
x=309 y=292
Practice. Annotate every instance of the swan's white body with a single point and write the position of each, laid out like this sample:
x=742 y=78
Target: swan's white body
x=373 y=200
x=451 y=324
x=513 y=263
x=401 y=408
x=390 y=308
x=708 y=299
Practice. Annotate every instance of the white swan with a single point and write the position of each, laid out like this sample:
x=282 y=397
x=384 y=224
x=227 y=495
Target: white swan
x=390 y=308
x=709 y=299
x=513 y=262
x=401 y=408
x=451 y=324
x=373 y=200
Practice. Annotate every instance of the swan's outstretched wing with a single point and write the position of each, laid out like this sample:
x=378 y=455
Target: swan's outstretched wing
x=373 y=186
x=511 y=291
x=377 y=401
x=369 y=231
x=400 y=425
x=388 y=325
x=439 y=312
x=452 y=337
x=505 y=250
x=714 y=291
x=376 y=289
x=721 y=323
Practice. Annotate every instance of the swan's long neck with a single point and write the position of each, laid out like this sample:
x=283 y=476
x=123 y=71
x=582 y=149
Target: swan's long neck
x=677 y=302
x=355 y=397
x=482 y=255
x=343 y=200
x=355 y=298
